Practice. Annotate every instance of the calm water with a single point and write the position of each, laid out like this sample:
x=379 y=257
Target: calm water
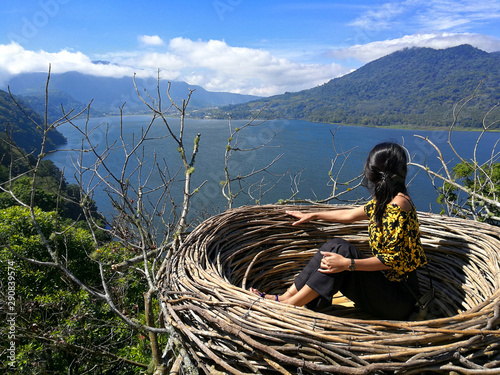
x=308 y=150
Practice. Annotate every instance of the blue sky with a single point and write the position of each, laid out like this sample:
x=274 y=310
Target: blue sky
x=252 y=47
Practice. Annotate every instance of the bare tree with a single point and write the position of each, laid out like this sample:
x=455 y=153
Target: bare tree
x=469 y=189
x=57 y=255
x=236 y=144
x=339 y=186
x=141 y=209
x=147 y=220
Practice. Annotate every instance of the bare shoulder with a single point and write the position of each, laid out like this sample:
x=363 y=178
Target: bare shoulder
x=403 y=201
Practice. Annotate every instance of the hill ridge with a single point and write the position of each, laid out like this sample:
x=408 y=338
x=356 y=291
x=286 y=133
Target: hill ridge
x=415 y=87
x=24 y=125
x=109 y=94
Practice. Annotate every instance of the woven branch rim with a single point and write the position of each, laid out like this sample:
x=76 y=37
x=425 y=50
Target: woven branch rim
x=205 y=297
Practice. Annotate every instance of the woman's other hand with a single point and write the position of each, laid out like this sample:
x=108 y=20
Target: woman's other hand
x=333 y=263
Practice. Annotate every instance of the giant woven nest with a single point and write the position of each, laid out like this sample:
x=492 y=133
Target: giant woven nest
x=229 y=330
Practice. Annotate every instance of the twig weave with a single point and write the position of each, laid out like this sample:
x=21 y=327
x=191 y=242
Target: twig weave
x=227 y=329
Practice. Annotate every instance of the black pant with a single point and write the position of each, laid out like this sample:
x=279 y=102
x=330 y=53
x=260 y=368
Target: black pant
x=370 y=291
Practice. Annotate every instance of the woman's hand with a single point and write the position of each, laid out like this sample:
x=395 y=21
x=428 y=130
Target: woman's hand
x=302 y=216
x=333 y=263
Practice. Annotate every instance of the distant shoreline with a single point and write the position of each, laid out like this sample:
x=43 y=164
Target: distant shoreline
x=399 y=127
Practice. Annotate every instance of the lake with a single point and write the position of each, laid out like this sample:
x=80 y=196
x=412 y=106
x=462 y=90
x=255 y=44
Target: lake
x=307 y=148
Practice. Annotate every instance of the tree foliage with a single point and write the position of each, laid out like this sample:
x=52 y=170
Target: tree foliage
x=105 y=274
x=483 y=180
x=59 y=327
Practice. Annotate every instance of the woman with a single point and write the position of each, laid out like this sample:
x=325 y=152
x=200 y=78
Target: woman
x=381 y=284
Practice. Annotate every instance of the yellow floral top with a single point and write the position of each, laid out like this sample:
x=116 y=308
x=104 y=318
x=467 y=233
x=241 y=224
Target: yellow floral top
x=397 y=242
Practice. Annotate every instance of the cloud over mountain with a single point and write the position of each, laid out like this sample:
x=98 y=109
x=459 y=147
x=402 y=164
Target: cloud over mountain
x=374 y=50
x=218 y=66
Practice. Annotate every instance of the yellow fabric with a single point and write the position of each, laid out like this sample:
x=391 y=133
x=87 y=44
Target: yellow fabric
x=397 y=242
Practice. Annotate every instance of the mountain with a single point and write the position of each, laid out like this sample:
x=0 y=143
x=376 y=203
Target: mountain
x=57 y=99
x=25 y=125
x=415 y=87
x=109 y=94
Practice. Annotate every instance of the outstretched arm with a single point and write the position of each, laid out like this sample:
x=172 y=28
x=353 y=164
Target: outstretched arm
x=348 y=215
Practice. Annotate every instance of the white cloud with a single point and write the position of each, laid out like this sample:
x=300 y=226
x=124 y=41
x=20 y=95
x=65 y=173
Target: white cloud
x=379 y=17
x=217 y=66
x=212 y=64
x=454 y=14
x=371 y=51
x=431 y=15
x=14 y=59
x=150 y=40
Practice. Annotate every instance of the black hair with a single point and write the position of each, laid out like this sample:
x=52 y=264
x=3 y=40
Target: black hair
x=384 y=175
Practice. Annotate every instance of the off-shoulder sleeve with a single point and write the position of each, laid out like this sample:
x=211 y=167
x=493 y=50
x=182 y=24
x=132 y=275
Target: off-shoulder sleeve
x=369 y=207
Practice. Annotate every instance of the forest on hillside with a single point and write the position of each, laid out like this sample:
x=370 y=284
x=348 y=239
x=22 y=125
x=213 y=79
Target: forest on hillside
x=417 y=88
